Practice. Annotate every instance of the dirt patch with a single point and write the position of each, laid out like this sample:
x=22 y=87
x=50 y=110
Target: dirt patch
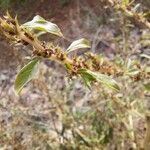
x=49 y=9
x=52 y=10
x=9 y=57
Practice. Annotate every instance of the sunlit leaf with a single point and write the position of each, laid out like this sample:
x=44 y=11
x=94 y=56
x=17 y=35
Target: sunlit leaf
x=133 y=72
x=95 y=76
x=145 y=56
x=40 y=24
x=81 y=43
x=125 y=2
x=137 y=6
x=26 y=74
x=129 y=63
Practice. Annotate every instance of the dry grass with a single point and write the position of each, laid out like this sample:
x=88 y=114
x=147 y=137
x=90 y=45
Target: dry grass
x=54 y=112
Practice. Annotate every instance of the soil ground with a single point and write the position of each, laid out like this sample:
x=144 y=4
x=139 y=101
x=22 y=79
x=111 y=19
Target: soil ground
x=50 y=9
x=67 y=17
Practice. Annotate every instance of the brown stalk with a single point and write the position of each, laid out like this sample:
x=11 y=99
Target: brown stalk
x=12 y=30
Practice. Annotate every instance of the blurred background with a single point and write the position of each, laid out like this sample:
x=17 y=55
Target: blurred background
x=36 y=118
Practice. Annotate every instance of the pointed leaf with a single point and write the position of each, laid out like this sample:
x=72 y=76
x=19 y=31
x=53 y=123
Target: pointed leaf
x=136 y=8
x=40 y=24
x=145 y=56
x=104 y=79
x=26 y=74
x=81 y=43
x=132 y=71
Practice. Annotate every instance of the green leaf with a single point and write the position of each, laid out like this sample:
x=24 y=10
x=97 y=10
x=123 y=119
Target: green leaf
x=129 y=63
x=81 y=43
x=133 y=71
x=145 y=56
x=40 y=24
x=26 y=74
x=68 y=66
x=125 y=2
x=147 y=86
x=87 y=81
x=136 y=7
x=95 y=76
